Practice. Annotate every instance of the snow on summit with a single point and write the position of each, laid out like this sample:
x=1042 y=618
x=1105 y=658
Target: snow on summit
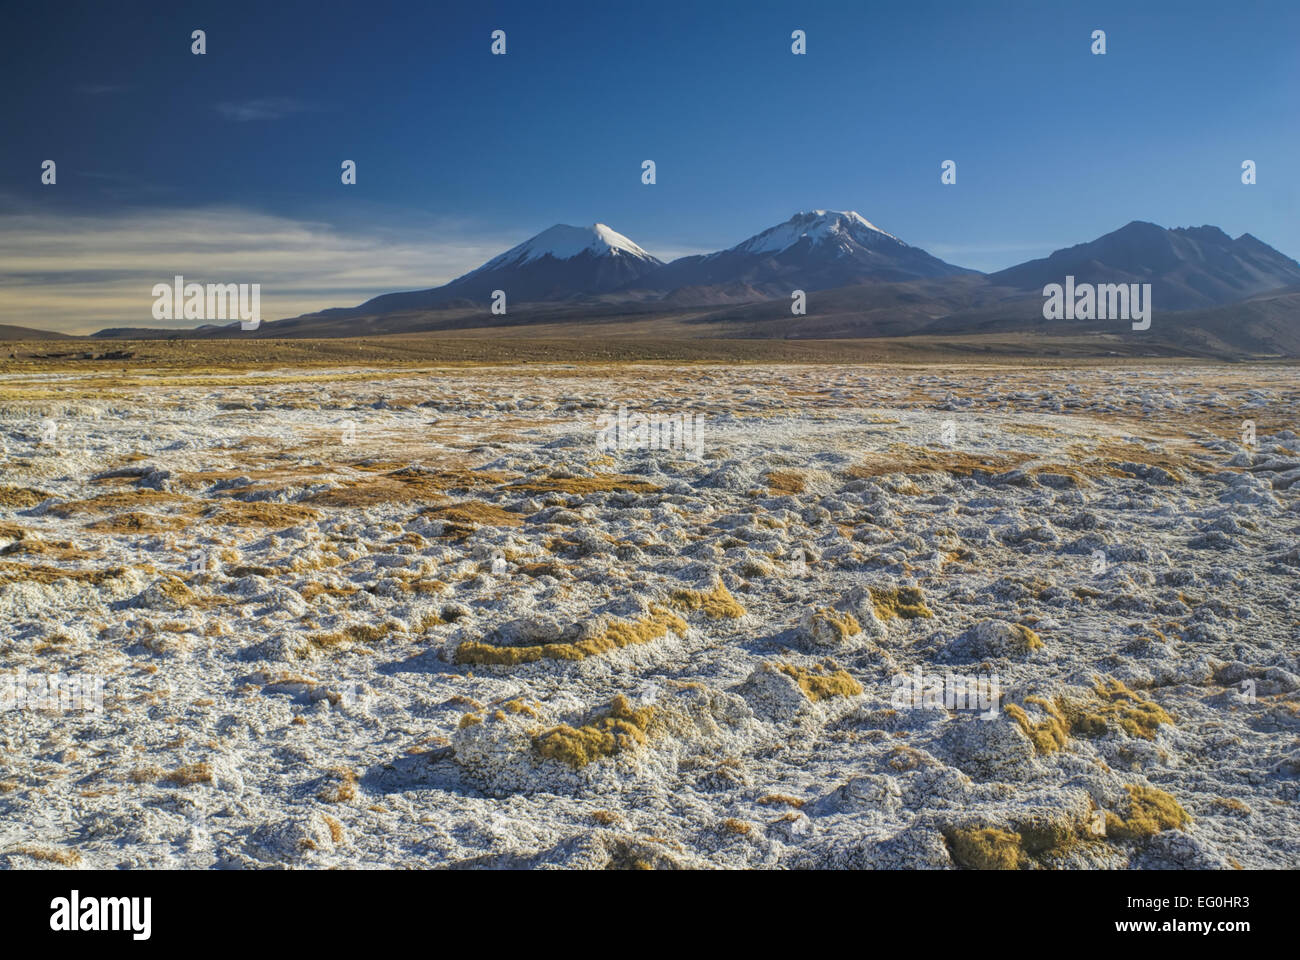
x=845 y=229
x=564 y=242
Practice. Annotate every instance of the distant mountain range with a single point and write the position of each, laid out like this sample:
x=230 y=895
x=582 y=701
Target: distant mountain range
x=867 y=283
x=1187 y=267
x=810 y=251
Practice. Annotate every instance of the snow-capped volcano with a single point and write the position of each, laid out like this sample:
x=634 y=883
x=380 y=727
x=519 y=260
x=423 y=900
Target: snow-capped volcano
x=813 y=250
x=563 y=242
x=559 y=263
x=842 y=230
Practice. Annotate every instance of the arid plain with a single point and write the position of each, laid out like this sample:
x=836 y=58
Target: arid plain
x=412 y=610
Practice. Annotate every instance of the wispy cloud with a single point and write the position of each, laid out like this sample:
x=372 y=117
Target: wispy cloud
x=102 y=89
x=263 y=108
x=79 y=273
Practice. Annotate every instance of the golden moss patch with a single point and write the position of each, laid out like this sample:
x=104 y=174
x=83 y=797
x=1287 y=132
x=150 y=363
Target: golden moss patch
x=986 y=848
x=714 y=604
x=60 y=855
x=1150 y=811
x=20 y=498
x=906 y=603
x=118 y=500
x=904 y=458
x=819 y=683
x=467 y=516
x=175 y=590
x=1231 y=805
x=190 y=773
x=622 y=728
x=1049 y=837
x=601 y=483
x=399 y=486
x=786 y=481
x=617 y=635
x=17 y=572
x=340 y=787
x=542 y=568
x=1049 y=734
x=1116 y=706
x=1024 y=639
x=137 y=522
x=30 y=545
x=1037 y=841
x=841 y=625
x=358 y=633
x=522 y=708
x=782 y=799
x=239 y=514
x=313 y=589
x=336 y=829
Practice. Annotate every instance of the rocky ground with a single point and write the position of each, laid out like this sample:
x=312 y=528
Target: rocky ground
x=440 y=619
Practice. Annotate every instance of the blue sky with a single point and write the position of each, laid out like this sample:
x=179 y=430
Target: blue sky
x=227 y=164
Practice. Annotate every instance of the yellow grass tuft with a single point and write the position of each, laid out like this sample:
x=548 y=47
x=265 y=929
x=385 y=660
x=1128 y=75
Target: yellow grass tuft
x=907 y=603
x=119 y=500
x=986 y=848
x=622 y=728
x=20 y=498
x=842 y=624
x=786 y=481
x=1116 y=706
x=601 y=483
x=12 y=571
x=781 y=798
x=714 y=604
x=62 y=856
x=341 y=788
x=190 y=773
x=617 y=635
x=904 y=458
x=138 y=522
x=820 y=683
x=1048 y=735
x=261 y=514
x=1150 y=812
x=467 y=516
x=358 y=633
x=335 y=828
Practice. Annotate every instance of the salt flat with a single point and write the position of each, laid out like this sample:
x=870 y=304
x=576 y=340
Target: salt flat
x=426 y=618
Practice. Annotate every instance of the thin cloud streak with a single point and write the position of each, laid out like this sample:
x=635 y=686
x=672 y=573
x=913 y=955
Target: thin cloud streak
x=263 y=108
x=102 y=89
x=79 y=274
